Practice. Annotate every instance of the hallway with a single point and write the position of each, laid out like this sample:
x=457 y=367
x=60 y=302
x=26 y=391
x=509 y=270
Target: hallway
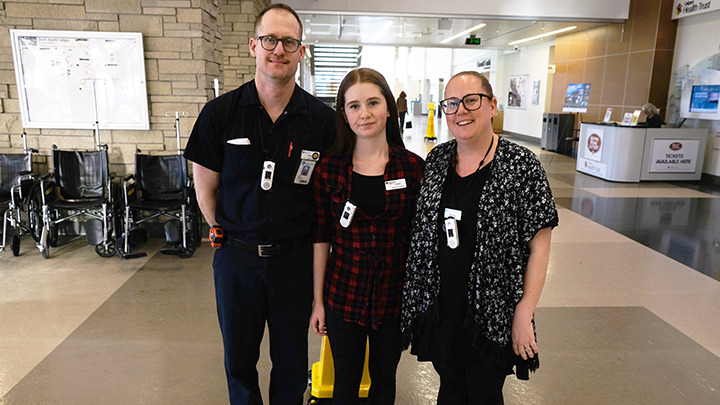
x=629 y=315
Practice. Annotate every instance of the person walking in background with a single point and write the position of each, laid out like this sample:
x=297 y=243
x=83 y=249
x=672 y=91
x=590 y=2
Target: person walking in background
x=402 y=109
x=253 y=152
x=365 y=195
x=479 y=252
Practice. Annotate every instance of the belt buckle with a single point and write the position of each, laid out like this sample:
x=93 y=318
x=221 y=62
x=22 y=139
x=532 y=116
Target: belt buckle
x=260 y=250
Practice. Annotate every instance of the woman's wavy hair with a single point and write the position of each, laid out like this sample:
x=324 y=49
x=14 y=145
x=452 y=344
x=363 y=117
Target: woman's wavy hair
x=345 y=139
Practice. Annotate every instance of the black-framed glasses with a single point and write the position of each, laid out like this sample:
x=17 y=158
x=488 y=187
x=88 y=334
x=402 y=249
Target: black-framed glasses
x=471 y=102
x=269 y=43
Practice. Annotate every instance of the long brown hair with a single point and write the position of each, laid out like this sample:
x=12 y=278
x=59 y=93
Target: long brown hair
x=345 y=139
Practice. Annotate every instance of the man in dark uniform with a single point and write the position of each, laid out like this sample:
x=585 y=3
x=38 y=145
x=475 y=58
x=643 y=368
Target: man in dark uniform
x=253 y=152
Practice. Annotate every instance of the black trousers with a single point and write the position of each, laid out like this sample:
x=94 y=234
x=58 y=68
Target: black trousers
x=251 y=291
x=402 y=121
x=347 y=343
x=471 y=385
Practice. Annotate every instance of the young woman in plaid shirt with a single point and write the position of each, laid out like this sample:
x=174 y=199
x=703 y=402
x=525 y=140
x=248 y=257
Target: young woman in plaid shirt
x=365 y=193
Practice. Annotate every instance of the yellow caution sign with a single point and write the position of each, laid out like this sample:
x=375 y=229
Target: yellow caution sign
x=430 y=133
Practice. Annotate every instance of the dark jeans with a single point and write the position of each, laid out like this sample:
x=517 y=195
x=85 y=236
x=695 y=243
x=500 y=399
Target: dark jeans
x=471 y=385
x=251 y=291
x=402 y=121
x=347 y=343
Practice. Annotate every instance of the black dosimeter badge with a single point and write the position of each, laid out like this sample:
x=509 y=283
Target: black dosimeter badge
x=268 y=173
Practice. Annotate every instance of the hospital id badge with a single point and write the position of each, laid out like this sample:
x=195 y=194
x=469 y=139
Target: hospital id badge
x=304 y=172
x=308 y=159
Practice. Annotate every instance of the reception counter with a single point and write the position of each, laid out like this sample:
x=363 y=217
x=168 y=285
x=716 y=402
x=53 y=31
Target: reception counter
x=633 y=154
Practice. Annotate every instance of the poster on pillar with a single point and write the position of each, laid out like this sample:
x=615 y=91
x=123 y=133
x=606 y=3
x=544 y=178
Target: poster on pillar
x=75 y=79
x=518 y=93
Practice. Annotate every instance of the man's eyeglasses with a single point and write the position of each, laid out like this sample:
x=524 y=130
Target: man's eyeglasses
x=269 y=43
x=471 y=102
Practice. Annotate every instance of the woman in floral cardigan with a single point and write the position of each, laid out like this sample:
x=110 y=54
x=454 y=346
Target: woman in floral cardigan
x=479 y=252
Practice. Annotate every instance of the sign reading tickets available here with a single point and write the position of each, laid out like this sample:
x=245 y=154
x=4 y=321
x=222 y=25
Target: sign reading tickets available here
x=674 y=155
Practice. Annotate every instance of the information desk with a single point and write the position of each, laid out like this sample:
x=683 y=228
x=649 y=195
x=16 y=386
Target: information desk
x=632 y=154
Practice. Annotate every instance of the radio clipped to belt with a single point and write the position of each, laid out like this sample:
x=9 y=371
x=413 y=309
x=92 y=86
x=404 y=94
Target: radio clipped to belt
x=216 y=237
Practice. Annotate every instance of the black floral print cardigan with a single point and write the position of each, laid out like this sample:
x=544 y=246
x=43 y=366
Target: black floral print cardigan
x=516 y=202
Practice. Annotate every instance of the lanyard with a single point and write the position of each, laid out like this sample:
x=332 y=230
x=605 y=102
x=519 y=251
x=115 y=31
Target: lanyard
x=452 y=192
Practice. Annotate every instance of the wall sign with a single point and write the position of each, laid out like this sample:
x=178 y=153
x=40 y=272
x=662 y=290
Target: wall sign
x=689 y=8
x=674 y=155
x=71 y=79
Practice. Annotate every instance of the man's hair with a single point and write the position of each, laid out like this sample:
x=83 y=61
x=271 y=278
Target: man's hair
x=278 y=6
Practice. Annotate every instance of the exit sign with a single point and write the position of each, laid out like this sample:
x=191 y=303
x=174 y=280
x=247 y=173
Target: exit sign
x=472 y=41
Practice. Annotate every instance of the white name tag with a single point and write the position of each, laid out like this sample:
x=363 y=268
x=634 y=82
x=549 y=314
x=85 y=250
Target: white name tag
x=451 y=213
x=239 y=141
x=395 y=184
x=310 y=155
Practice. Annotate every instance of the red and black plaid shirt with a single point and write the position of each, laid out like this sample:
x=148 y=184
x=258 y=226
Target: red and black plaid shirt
x=364 y=273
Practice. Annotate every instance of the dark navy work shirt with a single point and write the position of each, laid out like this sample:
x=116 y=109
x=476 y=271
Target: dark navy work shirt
x=243 y=208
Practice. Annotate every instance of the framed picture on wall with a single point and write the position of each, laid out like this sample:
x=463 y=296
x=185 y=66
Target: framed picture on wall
x=517 y=95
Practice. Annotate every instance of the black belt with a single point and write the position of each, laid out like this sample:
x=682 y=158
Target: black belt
x=267 y=250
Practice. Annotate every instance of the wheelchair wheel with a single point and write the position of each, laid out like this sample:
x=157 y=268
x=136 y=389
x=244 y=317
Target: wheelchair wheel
x=15 y=245
x=34 y=216
x=185 y=253
x=120 y=246
x=108 y=251
x=53 y=234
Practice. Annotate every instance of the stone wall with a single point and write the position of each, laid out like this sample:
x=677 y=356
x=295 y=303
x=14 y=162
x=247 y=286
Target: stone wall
x=187 y=44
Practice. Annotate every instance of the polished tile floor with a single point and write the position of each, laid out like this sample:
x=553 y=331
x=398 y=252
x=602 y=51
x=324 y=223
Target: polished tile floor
x=630 y=313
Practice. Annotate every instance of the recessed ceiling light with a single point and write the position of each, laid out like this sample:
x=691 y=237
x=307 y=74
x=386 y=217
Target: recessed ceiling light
x=543 y=35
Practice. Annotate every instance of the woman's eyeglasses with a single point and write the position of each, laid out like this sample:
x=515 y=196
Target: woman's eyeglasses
x=471 y=102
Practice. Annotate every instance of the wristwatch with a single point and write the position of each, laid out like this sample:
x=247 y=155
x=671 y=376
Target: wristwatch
x=216 y=236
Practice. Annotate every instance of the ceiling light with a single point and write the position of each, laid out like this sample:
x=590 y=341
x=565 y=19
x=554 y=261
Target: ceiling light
x=543 y=35
x=382 y=31
x=477 y=27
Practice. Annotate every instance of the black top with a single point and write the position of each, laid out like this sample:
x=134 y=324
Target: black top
x=244 y=209
x=653 y=122
x=452 y=342
x=368 y=193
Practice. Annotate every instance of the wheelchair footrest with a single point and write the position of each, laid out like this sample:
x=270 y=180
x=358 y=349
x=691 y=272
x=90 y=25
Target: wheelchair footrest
x=171 y=250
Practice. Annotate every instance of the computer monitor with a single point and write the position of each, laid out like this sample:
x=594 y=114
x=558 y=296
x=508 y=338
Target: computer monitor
x=704 y=99
x=577 y=97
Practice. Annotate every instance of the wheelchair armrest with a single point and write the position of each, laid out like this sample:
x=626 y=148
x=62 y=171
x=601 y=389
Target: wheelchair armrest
x=45 y=177
x=129 y=177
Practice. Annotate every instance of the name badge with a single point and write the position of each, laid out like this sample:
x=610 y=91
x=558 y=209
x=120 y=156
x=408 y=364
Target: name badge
x=239 y=141
x=308 y=159
x=451 y=213
x=395 y=184
x=310 y=155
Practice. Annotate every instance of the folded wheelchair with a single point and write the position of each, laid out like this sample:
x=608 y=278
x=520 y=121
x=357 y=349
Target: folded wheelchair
x=16 y=180
x=160 y=188
x=79 y=186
